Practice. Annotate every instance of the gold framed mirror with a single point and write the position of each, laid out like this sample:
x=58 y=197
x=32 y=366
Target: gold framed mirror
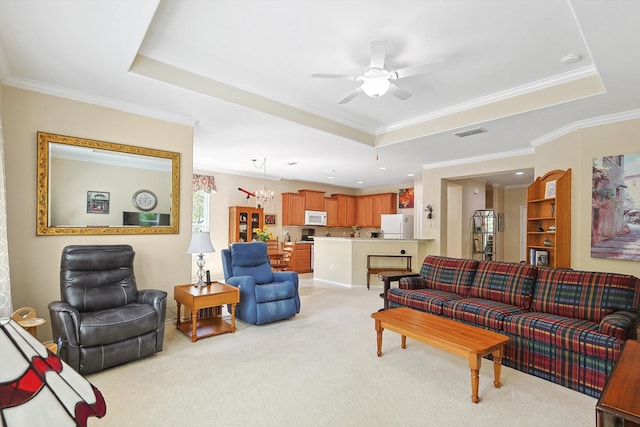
x=95 y=187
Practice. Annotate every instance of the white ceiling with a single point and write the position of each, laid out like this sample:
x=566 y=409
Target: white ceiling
x=240 y=72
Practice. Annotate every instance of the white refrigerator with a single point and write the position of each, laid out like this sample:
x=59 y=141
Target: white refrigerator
x=397 y=226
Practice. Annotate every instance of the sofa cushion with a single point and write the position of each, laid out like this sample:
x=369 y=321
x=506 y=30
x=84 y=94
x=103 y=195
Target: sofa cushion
x=275 y=291
x=453 y=275
x=116 y=324
x=586 y=295
x=576 y=335
x=428 y=300
x=485 y=313
x=506 y=282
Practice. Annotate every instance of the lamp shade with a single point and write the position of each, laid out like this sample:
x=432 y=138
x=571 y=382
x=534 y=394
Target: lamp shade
x=200 y=243
x=39 y=389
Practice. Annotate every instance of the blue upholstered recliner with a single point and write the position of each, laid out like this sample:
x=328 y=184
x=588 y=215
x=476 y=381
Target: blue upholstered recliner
x=265 y=295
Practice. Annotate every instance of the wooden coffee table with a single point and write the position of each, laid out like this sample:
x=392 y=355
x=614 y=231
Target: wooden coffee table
x=214 y=295
x=455 y=337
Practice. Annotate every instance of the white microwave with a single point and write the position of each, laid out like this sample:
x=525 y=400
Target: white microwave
x=315 y=218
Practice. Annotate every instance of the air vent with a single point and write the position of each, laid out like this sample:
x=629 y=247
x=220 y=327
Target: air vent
x=470 y=132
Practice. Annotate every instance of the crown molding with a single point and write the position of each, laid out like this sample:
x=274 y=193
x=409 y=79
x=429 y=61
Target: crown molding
x=567 y=77
x=586 y=123
x=74 y=95
x=476 y=159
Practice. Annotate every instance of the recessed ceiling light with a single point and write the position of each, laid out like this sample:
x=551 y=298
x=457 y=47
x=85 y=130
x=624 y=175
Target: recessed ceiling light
x=359 y=182
x=571 y=59
x=383 y=168
x=331 y=177
x=411 y=174
x=519 y=173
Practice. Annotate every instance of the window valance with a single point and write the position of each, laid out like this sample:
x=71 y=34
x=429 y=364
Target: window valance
x=206 y=183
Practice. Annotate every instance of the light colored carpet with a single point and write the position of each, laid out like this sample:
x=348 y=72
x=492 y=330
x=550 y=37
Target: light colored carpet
x=320 y=369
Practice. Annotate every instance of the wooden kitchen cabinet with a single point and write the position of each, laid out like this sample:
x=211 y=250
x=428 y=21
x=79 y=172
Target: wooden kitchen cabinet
x=384 y=203
x=346 y=209
x=292 y=209
x=331 y=207
x=364 y=214
x=242 y=221
x=313 y=200
x=301 y=261
x=369 y=208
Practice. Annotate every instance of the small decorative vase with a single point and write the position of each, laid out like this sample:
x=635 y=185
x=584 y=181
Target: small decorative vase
x=547 y=242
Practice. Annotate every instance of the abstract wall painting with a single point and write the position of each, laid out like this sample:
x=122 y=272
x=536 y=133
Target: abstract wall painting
x=405 y=198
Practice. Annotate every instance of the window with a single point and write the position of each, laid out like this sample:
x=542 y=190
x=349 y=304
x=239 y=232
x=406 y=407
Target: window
x=200 y=215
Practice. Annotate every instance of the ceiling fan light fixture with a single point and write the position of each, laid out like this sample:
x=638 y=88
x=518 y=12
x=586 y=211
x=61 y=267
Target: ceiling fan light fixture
x=376 y=86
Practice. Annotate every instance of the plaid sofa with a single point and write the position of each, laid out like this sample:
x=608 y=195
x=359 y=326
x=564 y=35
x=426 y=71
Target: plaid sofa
x=566 y=326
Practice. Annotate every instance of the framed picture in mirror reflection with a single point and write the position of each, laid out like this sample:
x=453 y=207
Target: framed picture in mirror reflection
x=98 y=202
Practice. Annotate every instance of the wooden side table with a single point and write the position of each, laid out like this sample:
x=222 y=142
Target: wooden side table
x=376 y=270
x=620 y=398
x=26 y=317
x=214 y=295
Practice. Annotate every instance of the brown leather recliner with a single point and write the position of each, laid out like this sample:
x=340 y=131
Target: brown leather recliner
x=103 y=320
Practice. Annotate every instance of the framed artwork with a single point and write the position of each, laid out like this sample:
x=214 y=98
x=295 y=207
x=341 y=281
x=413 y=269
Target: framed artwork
x=542 y=258
x=405 y=198
x=615 y=207
x=550 y=190
x=500 y=222
x=97 y=202
x=270 y=219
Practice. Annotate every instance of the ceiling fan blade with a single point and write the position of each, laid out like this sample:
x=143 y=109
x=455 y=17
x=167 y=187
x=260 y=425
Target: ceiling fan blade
x=412 y=70
x=378 y=52
x=352 y=95
x=334 y=76
x=398 y=92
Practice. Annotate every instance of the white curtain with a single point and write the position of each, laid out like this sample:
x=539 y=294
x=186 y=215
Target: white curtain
x=6 y=308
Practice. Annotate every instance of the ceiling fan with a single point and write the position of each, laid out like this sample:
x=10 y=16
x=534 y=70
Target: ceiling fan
x=376 y=80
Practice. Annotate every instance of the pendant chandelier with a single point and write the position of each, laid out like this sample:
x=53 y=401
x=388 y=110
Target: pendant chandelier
x=264 y=195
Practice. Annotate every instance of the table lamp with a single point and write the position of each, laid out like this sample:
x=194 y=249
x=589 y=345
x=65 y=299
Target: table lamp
x=38 y=388
x=200 y=244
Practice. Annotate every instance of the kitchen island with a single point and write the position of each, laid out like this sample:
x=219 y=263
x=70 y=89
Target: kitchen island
x=343 y=260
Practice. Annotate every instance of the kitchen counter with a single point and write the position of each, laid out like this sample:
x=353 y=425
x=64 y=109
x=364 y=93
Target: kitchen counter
x=343 y=260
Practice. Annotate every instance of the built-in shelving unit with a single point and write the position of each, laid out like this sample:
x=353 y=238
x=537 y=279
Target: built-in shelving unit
x=549 y=220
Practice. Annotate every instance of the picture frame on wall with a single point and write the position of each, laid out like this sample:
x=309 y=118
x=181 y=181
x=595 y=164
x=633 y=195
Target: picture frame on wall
x=500 y=222
x=405 y=198
x=98 y=202
x=550 y=190
x=270 y=219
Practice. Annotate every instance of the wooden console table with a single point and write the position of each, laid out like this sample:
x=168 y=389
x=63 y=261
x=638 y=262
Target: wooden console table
x=375 y=270
x=620 y=398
